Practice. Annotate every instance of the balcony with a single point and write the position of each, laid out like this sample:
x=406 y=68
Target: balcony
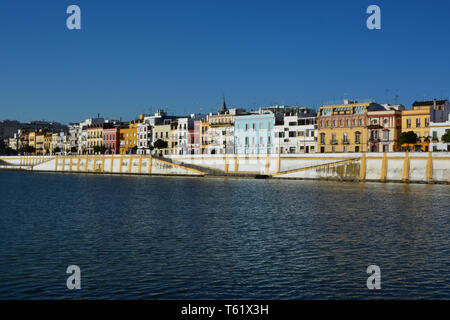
x=333 y=142
x=345 y=141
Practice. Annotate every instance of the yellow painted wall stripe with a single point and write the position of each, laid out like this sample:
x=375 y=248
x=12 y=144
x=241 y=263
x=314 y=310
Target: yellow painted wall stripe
x=405 y=176
x=362 y=169
x=130 y=160
x=150 y=165
x=112 y=164
x=430 y=167
x=120 y=166
x=383 y=167
x=140 y=164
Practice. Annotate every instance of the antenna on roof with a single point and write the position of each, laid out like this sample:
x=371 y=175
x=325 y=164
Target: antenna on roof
x=396 y=96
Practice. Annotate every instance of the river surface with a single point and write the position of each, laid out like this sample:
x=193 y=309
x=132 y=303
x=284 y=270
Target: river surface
x=140 y=237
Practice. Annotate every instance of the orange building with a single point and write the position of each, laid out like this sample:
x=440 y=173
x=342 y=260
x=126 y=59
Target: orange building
x=128 y=137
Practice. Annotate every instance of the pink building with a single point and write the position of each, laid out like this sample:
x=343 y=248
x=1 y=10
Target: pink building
x=194 y=138
x=111 y=140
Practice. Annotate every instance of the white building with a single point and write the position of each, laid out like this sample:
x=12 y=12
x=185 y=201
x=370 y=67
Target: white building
x=144 y=138
x=74 y=133
x=296 y=133
x=82 y=132
x=184 y=125
x=221 y=134
x=437 y=130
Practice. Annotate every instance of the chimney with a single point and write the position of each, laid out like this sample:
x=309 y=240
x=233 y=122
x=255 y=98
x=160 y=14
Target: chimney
x=434 y=104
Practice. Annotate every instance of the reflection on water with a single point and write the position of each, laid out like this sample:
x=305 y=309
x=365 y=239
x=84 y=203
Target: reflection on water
x=146 y=238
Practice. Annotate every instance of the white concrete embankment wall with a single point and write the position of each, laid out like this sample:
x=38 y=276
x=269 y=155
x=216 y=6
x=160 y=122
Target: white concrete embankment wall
x=127 y=164
x=407 y=167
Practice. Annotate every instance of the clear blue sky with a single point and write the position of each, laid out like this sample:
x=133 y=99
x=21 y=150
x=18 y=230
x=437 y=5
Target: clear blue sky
x=135 y=56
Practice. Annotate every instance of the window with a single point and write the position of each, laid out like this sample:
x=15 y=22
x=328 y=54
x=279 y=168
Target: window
x=335 y=123
x=427 y=122
x=322 y=138
x=246 y=127
x=348 y=123
x=408 y=123
x=357 y=137
x=269 y=140
x=418 y=123
x=386 y=135
x=253 y=126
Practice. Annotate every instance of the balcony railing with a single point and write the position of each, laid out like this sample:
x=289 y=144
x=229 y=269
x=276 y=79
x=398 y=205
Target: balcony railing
x=345 y=141
x=334 y=142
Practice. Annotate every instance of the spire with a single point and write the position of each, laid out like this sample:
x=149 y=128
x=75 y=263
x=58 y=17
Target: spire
x=223 y=108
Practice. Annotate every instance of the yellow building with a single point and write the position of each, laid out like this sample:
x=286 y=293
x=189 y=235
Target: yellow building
x=56 y=143
x=39 y=140
x=205 y=137
x=128 y=138
x=418 y=120
x=343 y=128
x=48 y=143
x=173 y=137
x=94 y=138
x=32 y=140
x=162 y=132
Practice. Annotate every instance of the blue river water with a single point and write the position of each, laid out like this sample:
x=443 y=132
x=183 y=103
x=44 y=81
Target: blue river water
x=139 y=237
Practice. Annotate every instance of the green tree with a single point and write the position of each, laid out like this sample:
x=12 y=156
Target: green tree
x=27 y=150
x=160 y=144
x=408 y=138
x=99 y=149
x=446 y=137
x=6 y=150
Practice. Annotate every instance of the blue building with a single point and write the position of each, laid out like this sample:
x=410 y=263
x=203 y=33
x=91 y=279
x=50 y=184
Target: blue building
x=254 y=134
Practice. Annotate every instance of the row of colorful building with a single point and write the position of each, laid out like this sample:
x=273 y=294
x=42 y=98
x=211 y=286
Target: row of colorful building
x=349 y=127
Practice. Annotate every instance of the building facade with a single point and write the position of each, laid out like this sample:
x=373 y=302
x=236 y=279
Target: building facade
x=254 y=134
x=144 y=138
x=296 y=133
x=384 y=128
x=343 y=128
x=111 y=140
x=162 y=132
x=438 y=129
